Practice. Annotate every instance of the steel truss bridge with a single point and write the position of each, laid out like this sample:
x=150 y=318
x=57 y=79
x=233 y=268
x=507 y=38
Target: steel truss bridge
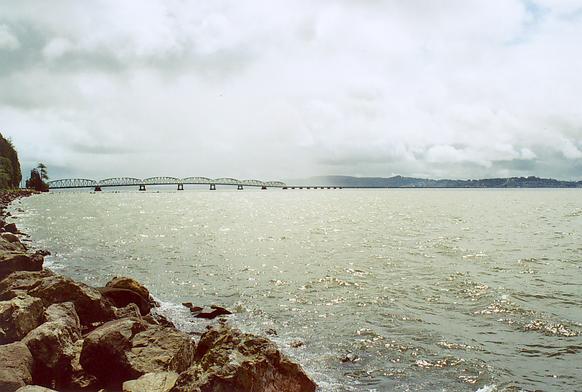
x=69 y=183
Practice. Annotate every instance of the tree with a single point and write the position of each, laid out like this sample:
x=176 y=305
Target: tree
x=36 y=181
x=43 y=171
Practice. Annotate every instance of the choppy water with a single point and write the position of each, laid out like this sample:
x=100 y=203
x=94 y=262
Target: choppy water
x=426 y=290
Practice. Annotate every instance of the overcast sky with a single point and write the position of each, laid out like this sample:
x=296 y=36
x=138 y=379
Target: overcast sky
x=287 y=89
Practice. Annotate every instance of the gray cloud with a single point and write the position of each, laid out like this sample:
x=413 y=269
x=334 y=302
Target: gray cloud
x=285 y=90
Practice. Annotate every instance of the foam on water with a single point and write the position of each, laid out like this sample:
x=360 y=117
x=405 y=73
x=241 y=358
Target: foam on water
x=401 y=290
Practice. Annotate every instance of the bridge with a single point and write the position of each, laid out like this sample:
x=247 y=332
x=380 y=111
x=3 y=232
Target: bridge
x=70 y=183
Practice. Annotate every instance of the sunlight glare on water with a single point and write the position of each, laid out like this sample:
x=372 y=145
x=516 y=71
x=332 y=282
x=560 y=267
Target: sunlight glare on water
x=403 y=290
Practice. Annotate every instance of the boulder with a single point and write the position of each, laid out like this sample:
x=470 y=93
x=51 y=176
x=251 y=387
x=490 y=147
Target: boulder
x=120 y=282
x=229 y=360
x=34 y=388
x=158 y=319
x=123 y=297
x=11 y=246
x=89 y=303
x=104 y=352
x=21 y=282
x=10 y=237
x=15 y=366
x=126 y=349
x=79 y=379
x=159 y=349
x=152 y=382
x=11 y=262
x=11 y=228
x=19 y=316
x=131 y=310
x=52 y=344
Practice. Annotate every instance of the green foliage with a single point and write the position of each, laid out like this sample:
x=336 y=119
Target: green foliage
x=10 y=175
x=36 y=181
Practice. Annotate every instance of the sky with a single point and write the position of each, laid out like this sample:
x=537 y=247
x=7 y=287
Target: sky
x=274 y=89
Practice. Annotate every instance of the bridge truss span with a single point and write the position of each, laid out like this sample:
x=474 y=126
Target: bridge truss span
x=180 y=182
x=72 y=183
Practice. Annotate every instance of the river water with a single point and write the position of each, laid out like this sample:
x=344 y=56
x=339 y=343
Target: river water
x=387 y=290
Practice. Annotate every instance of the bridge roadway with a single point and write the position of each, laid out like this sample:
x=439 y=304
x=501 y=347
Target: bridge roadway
x=69 y=183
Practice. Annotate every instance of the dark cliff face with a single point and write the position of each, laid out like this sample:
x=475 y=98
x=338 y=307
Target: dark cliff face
x=10 y=175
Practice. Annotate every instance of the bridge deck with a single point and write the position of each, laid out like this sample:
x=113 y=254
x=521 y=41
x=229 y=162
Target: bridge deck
x=69 y=183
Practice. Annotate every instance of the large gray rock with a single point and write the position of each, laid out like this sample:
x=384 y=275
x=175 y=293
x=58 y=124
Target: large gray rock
x=89 y=304
x=229 y=360
x=152 y=382
x=19 y=316
x=15 y=366
x=11 y=262
x=126 y=349
x=53 y=344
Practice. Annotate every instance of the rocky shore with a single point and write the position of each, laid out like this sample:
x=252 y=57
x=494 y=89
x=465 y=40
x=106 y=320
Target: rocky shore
x=57 y=334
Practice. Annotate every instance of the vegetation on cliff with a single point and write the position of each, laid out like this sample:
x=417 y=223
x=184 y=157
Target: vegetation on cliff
x=10 y=175
x=37 y=178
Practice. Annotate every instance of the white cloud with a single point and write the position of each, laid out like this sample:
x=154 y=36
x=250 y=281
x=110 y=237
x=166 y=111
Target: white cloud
x=287 y=89
x=8 y=41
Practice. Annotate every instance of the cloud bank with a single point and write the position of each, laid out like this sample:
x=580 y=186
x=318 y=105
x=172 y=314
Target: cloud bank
x=275 y=90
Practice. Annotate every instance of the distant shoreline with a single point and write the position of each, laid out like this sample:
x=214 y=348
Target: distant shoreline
x=411 y=182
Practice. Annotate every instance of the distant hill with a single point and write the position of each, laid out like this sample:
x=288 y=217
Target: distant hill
x=10 y=175
x=410 y=182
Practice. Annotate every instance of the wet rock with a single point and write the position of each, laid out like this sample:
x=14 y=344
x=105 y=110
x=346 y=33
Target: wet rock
x=11 y=228
x=21 y=282
x=152 y=382
x=34 y=388
x=10 y=237
x=210 y=314
x=193 y=309
x=11 y=262
x=52 y=344
x=126 y=349
x=349 y=357
x=89 y=303
x=296 y=343
x=19 y=316
x=15 y=366
x=123 y=297
x=229 y=360
x=129 y=284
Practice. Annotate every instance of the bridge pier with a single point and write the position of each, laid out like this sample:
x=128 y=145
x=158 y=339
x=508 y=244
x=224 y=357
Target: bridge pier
x=142 y=187
x=239 y=187
x=97 y=188
x=212 y=187
x=180 y=187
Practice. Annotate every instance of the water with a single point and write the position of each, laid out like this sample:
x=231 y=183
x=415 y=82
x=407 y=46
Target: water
x=415 y=290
